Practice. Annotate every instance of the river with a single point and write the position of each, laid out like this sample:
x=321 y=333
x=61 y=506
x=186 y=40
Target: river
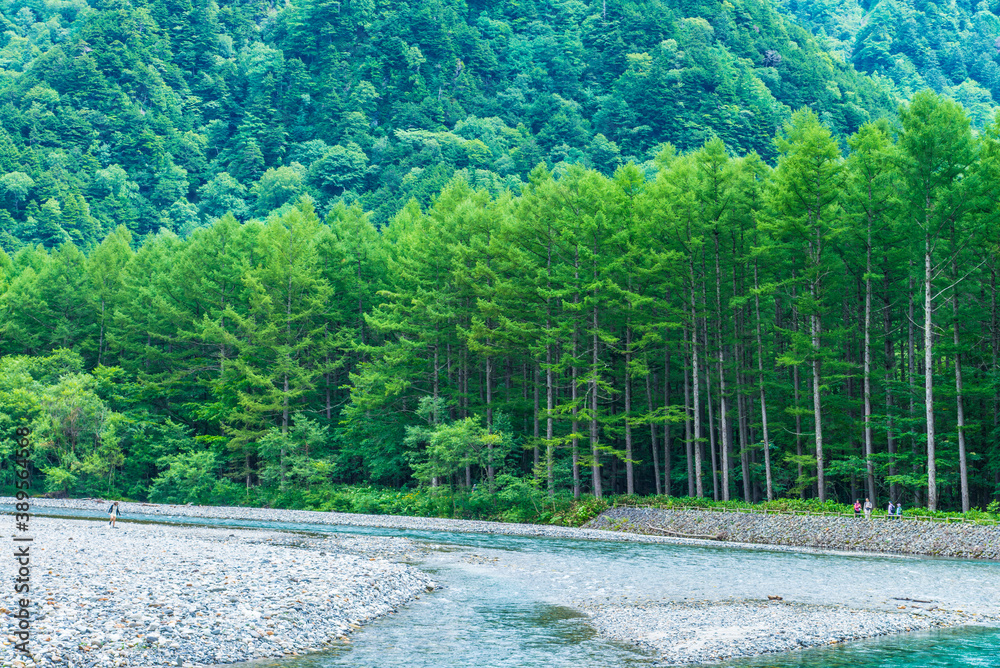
x=512 y=601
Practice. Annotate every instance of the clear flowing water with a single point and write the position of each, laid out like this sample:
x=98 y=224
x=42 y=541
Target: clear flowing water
x=951 y=648
x=510 y=600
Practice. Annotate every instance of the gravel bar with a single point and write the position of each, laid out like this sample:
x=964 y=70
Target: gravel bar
x=154 y=595
x=700 y=633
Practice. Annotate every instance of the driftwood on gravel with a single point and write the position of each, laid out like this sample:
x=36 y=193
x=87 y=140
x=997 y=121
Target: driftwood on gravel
x=678 y=534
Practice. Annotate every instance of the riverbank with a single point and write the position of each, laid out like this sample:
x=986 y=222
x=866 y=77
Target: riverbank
x=881 y=535
x=242 y=513
x=232 y=595
x=154 y=595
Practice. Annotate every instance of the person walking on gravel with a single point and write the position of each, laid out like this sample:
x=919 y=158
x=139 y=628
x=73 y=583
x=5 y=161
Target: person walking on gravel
x=113 y=514
x=891 y=510
x=857 y=508
x=868 y=508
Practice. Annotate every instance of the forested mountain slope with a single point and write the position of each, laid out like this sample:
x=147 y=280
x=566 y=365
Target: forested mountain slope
x=826 y=328
x=167 y=113
x=952 y=47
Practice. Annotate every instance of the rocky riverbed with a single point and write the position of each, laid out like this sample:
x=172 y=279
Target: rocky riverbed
x=148 y=594
x=154 y=595
x=886 y=536
x=699 y=633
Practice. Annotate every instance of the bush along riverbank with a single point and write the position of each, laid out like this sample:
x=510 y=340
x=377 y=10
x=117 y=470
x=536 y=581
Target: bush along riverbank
x=520 y=500
x=880 y=534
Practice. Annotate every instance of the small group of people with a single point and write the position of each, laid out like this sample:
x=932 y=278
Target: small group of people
x=893 y=510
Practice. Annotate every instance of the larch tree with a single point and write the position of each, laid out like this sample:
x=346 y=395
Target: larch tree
x=937 y=149
x=803 y=200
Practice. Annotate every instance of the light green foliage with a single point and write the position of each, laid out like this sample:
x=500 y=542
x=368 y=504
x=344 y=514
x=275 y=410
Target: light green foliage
x=294 y=459
x=223 y=195
x=276 y=187
x=193 y=478
x=442 y=448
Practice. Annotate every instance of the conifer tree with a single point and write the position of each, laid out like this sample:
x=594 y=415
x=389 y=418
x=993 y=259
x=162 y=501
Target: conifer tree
x=937 y=149
x=803 y=200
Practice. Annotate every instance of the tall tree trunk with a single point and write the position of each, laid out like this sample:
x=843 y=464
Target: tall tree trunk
x=490 y=467
x=815 y=332
x=890 y=434
x=550 y=399
x=629 y=469
x=741 y=406
x=712 y=430
x=688 y=421
x=667 y=460
x=284 y=428
x=595 y=451
x=741 y=399
x=911 y=361
x=796 y=389
x=995 y=348
x=760 y=379
x=695 y=372
x=721 y=362
x=575 y=426
x=817 y=412
x=549 y=384
x=652 y=434
x=869 y=436
x=537 y=451
x=963 y=465
x=463 y=401
x=929 y=374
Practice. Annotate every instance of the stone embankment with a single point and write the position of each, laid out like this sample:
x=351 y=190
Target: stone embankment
x=880 y=535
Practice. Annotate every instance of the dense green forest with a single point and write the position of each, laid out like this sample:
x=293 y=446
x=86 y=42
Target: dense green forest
x=167 y=114
x=952 y=48
x=824 y=328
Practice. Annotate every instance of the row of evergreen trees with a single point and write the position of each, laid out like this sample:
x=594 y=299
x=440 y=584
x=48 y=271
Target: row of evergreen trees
x=823 y=328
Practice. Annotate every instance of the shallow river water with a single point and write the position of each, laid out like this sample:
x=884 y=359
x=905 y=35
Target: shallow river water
x=509 y=601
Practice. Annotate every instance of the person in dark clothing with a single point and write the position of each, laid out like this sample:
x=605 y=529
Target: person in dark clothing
x=113 y=513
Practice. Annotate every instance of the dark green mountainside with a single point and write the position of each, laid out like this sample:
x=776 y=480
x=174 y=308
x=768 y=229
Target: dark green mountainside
x=167 y=113
x=952 y=47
